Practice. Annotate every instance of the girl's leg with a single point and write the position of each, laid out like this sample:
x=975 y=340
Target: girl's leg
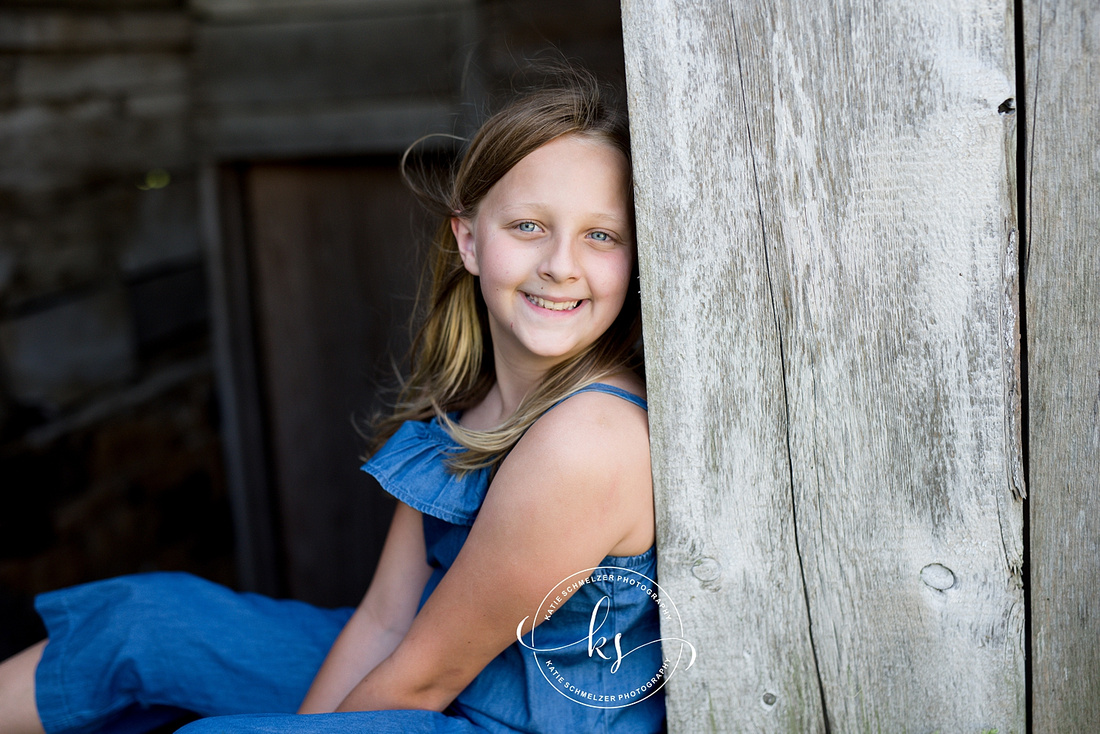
x=132 y=652
x=18 y=712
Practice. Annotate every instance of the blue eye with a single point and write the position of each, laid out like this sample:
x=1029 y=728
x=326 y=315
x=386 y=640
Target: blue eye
x=527 y=227
x=601 y=236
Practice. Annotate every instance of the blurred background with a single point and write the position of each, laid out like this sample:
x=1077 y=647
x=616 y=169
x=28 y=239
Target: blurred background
x=207 y=266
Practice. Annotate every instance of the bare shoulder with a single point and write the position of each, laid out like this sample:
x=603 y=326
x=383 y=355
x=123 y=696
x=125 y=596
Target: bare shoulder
x=628 y=381
x=591 y=452
x=587 y=430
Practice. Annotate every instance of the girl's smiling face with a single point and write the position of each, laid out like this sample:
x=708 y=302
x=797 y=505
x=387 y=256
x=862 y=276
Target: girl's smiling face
x=553 y=246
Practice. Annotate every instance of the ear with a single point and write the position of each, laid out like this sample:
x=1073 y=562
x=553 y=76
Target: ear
x=463 y=230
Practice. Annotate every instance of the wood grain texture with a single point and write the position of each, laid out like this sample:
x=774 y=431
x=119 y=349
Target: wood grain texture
x=236 y=10
x=309 y=84
x=363 y=128
x=224 y=234
x=1063 y=302
x=728 y=554
x=827 y=231
x=334 y=263
x=260 y=64
x=53 y=29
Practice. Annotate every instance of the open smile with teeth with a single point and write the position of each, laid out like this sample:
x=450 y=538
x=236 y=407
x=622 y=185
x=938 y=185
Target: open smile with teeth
x=552 y=305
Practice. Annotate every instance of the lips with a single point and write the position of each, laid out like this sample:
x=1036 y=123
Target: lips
x=552 y=305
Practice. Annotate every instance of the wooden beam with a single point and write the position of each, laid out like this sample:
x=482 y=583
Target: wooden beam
x=361 y=128
x=728 y=553
x=279 y=10
x=224 y=234
x=30 y=30
x=828 y=245
x=316 y=86
x=334 y=257
x=1063 y=302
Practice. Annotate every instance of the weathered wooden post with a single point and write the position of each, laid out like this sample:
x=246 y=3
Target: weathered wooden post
x=1063 y=316
x=826 y=217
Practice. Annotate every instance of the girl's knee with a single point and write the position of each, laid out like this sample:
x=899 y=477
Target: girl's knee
x=148 y=609
x=140 y=594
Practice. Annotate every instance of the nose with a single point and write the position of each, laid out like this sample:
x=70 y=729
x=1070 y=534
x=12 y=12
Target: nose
x=559 y=261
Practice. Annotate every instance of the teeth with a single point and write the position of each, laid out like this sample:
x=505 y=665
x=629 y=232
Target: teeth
x=553 y=305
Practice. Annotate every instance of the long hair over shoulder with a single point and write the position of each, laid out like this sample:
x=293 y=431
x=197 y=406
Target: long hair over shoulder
x=451 y=358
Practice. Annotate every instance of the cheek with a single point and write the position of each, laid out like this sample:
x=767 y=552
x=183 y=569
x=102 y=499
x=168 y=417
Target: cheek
x=619 y=275
x=495 y=270
x=499 y=273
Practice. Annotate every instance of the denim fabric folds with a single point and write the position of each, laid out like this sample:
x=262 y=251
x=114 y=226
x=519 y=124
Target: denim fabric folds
x=131 y=653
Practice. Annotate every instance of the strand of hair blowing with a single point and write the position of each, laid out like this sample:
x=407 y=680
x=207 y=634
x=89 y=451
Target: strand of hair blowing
x=451 y=359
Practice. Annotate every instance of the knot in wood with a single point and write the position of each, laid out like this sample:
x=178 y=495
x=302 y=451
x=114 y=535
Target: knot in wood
x=938 y=576
x=706 y=569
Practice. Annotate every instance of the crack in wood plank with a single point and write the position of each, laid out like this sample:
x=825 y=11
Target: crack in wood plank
x=783 y=375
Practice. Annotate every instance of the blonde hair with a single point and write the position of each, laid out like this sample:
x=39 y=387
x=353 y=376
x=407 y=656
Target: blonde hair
x=451 y=359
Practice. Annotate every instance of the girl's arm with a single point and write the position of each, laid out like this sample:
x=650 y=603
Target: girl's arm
x=576 y=488
x=382 y=618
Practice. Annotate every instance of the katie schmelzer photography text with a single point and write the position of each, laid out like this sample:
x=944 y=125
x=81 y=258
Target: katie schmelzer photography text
x=629 y=697
x=582 y=655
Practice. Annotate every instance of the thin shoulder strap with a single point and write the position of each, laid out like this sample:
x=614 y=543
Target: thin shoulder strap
x=610 y=390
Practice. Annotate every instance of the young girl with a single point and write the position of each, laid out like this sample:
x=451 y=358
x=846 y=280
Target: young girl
x=507 y=595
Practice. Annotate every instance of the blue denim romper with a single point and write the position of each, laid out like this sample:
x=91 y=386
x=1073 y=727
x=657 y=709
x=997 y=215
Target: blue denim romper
x=129 y=653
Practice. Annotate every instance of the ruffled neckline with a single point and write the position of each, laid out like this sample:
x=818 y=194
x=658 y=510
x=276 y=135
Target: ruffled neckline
x=412 y=467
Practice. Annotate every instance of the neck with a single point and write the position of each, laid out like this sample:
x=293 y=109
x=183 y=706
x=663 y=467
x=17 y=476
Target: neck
x=511 y=388
x=513 y=383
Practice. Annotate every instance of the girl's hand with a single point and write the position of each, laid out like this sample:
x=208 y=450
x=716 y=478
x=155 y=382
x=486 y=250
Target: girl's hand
x=576 y=488
x=382 y=618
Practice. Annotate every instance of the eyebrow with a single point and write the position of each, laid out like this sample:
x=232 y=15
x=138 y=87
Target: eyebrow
x=526 y=206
